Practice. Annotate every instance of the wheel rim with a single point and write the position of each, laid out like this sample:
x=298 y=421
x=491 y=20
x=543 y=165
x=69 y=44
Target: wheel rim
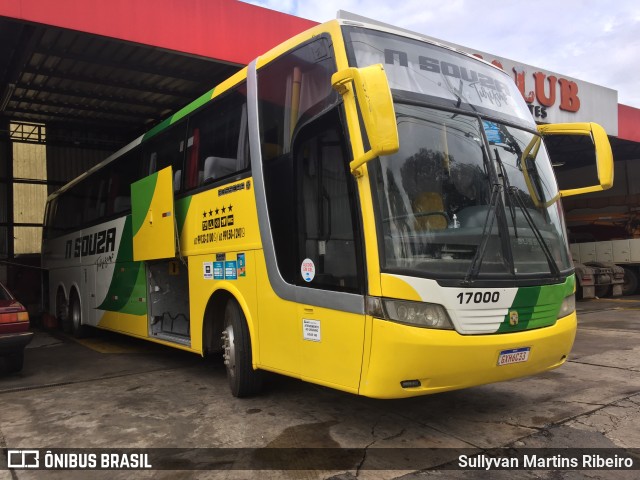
x=229 y=350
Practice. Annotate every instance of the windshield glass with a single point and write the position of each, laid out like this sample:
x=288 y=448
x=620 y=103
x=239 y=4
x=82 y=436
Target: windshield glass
x=441 y=215
x=4 y=294
x=445 y=77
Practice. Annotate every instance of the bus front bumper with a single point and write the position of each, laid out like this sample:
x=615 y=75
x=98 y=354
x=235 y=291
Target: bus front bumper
x=444 y=360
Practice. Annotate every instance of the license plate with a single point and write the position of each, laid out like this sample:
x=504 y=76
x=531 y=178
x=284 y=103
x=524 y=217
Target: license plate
x=516 y=355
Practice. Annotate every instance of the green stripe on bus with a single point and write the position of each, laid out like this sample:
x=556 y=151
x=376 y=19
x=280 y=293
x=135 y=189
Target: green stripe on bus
x=179 y=115
x=141 y=198
x=181 y=208
x=128 y=279
x=537 y=307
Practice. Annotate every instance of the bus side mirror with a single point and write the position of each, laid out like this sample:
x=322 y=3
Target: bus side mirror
x=602 y=147
x=367 y=95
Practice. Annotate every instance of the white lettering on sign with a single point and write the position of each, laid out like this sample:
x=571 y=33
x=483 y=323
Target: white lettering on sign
x=311 y=330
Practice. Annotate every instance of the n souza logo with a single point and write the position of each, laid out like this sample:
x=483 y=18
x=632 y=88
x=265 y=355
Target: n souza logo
x=545 y=96
x=569 y=100
x=91 y=244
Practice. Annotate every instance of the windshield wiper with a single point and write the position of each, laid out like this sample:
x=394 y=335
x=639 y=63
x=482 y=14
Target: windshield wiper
x=514 y=193
x=505 y=179
x=476 y=262
x=536 y=231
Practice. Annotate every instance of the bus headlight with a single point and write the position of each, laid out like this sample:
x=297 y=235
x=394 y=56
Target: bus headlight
x=568 y=306
x=428 y=315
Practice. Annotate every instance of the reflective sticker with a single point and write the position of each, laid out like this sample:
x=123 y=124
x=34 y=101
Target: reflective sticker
x=308 y=270
x=230 y=270
x=242 y=265
x=218 y=270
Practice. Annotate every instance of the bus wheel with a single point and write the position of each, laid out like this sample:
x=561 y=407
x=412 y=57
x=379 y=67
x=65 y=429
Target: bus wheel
x=61 y=311
x=75 y=319
x=243 y=379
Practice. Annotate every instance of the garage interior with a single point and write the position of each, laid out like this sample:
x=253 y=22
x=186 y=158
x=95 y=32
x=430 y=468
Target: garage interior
x=69 y=98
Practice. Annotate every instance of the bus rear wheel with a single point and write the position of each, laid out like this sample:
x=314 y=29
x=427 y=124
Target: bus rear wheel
x=244 y=381
x=75 y=326
x=62 y=310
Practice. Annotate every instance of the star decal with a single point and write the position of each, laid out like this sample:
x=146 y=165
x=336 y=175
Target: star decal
x=230 y=207
x=224 y=209
x=210 y=212
x=204 y=215
x=217 y=211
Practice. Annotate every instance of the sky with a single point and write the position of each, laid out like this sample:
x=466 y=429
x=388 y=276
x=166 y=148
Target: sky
x=597 y=41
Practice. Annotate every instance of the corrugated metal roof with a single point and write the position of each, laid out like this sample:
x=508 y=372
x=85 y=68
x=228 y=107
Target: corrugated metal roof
x=64 y=77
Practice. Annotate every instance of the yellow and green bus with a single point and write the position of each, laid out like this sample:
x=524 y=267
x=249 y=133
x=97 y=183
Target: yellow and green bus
x=359 y=208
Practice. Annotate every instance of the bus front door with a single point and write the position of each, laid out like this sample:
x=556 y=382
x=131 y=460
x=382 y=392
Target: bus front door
x=154 y=242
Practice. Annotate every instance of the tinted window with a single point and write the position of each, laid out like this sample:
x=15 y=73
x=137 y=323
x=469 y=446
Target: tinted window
x=325 y=204
x=304 y=153
x=166 y=149
x=121 y=174
x=94 y=194
x=4 y=295
x=217 y=144
x=292 y=90
x=68 y=215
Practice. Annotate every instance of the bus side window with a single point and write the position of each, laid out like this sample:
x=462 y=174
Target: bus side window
x=121 y=174
x=294 y=90
x=325 y=206
x=49 y=215
x=167 y=148
x=67 y=217
x=94 y=193
x=217 y=141
x=193 y=153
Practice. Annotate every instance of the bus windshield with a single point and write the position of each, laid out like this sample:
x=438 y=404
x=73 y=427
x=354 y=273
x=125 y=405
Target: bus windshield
x=437 y=73
x=436 y=200
x=471 y=185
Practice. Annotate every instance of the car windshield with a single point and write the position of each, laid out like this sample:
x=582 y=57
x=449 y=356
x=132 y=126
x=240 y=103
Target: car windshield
x=467 y=197
x=4 y=294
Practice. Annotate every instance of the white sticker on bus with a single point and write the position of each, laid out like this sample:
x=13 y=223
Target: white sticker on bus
x=311 y=330
x=207 y=270
x=308 y=269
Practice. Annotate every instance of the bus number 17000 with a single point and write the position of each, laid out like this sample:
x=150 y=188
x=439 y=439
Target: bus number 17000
x=478 y=297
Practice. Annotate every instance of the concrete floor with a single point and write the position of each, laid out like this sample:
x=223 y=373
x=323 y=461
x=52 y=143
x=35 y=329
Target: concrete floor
x=112 y=391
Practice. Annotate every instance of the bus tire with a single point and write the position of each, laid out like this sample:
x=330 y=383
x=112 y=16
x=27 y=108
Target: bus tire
x=77 y=329
x=62 y=311
x=244 y=381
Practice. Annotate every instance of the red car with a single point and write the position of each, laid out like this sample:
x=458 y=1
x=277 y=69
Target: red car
x=14 y=331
